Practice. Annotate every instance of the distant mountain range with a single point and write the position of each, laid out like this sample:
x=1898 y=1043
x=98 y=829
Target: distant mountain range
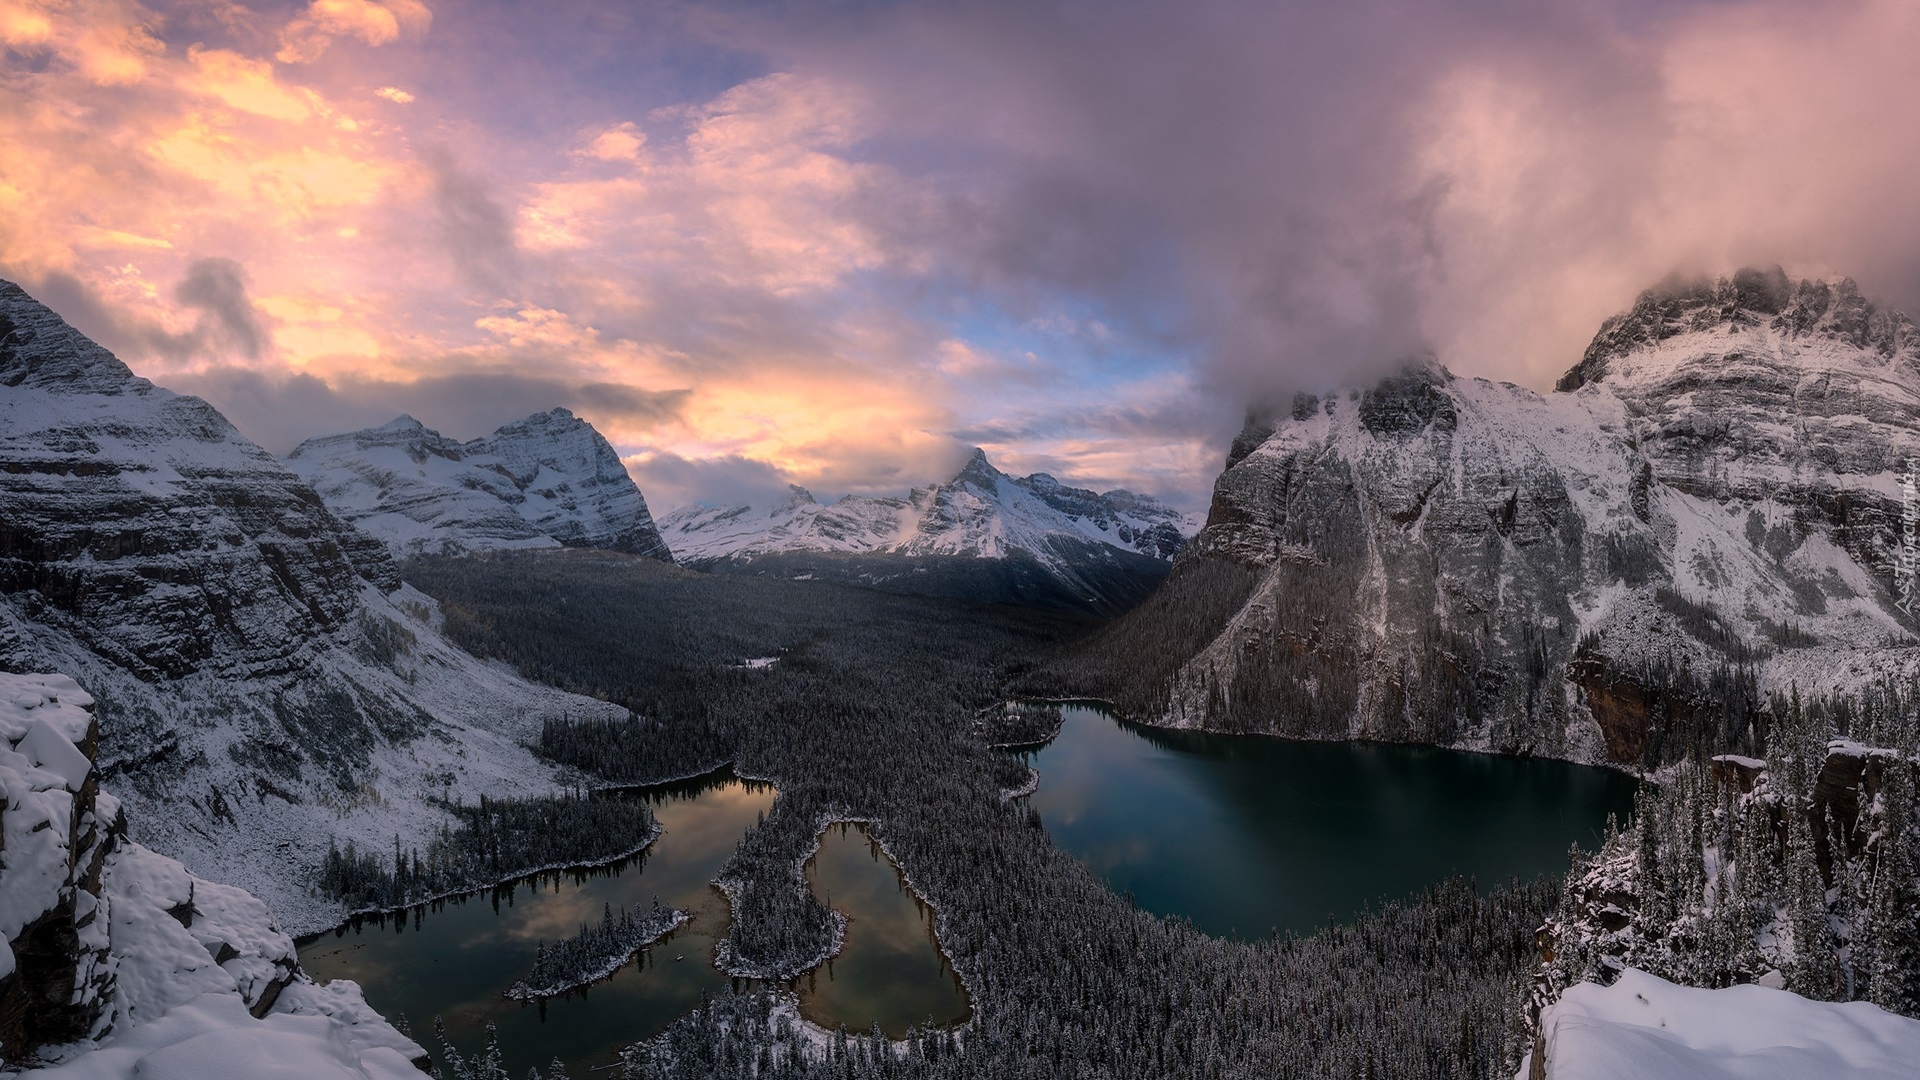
x=550 y=480
x=1054 y=545
x=1706 y=511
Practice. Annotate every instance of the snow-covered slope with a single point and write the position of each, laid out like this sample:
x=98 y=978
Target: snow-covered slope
x=1047 y=543
x=1646 y=1028
x=117 y=962
x=546 y=481
x=1470 y=563
x=855 y=523
x=980 y=512
x=264 y=679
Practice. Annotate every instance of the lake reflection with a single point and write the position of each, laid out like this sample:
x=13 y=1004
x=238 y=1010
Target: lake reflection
x=455 y=960
x=890 y=970
x=1246 y=834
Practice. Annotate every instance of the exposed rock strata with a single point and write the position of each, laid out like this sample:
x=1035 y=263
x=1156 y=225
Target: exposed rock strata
x=264 y=678
x=1704 y=512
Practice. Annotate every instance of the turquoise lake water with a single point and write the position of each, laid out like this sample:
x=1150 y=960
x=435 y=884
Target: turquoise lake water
x=1245 y=834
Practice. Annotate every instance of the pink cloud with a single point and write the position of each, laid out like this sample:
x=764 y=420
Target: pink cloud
x=1162 y=211
x=377 y=22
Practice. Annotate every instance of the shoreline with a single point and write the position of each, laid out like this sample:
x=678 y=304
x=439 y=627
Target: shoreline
x=519 y=876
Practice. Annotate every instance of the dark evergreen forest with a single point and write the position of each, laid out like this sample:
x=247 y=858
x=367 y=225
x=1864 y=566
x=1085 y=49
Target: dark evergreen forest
x=496 y=841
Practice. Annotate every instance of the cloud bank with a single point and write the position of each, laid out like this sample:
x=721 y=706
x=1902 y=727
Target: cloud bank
x=836 y=245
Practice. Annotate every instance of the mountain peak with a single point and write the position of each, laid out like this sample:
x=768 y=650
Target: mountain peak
x=978 y=471
x=557 y=419
x=1752 y=298
x=38 y=349
x=548 y=479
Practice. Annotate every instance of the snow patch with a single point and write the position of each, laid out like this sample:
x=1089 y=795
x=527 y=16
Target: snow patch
x=1650 y=1029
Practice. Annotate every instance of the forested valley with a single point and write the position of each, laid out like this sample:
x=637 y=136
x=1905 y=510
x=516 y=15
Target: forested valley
x=884 y=708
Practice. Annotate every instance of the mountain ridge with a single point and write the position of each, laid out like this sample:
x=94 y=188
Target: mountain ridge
x=547 y=480
x=981 y=534
x=979 y=511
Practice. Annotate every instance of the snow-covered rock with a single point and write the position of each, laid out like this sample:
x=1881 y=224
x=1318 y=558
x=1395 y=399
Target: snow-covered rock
x=265 y=681
x=546 y=481
x=118 y=961
x=1650 y=1029
x=214 y=1037
x=1082 y=547
x=1470 y=563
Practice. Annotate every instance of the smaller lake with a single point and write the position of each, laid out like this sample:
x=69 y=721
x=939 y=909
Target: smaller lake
x=455 y=959
x=1246 y=834
x=890 y=970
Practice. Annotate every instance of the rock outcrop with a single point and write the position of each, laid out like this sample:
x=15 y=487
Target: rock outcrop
x=102 y=935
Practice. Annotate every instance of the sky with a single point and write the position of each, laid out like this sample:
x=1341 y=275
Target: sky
x=840 y=243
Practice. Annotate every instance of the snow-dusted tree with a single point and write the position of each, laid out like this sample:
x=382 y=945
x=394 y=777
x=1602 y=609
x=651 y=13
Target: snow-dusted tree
x=1892 y=938
x=1811 y=972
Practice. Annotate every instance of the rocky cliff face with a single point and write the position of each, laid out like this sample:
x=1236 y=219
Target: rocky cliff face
x=102 y=935
x=264 y=679
x=58 y=832
x=1706 y=509
x=121 y=499
x=550 y=480
x=1075 y=547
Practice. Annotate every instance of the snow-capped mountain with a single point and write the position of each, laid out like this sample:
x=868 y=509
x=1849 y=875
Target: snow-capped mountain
x=980 y=512
x=546 y=481
x=1711 y=493
x=264 y=678
x=1096 y=549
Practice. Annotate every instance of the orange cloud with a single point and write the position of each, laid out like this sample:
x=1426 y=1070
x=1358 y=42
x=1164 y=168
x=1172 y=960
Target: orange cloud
x=306 y=38
x=760 y=193
x=622 y=142
x=692 y=253
x=24 y=25
x=722 y=252
x=248 y=85
x=105 y=52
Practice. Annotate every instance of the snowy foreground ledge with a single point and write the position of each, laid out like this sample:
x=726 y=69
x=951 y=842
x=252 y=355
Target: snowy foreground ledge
x=115 y=962
x=215 y=1037
x=1645 y=1028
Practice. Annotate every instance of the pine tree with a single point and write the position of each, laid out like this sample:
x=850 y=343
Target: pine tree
x=1811 y=973
x=1892 y=937
x=1656 y=900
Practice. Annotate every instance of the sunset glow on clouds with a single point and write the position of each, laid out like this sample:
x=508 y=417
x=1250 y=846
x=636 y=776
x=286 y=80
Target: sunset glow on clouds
x=759 y=244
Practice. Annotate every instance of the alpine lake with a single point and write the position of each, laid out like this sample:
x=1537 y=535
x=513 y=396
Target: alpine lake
x=453 y=960
x=1242 y=835
x=1249 y=835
